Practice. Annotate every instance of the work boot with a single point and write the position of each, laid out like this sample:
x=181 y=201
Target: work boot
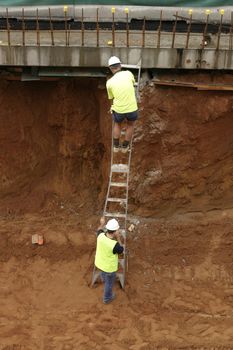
x=110 y=300
x=125 y=147
x=116 y=145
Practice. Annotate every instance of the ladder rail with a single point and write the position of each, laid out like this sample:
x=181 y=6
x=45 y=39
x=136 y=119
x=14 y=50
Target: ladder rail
x=110 y=176
x=135 y=66
x=120 y=168
x=138 y=85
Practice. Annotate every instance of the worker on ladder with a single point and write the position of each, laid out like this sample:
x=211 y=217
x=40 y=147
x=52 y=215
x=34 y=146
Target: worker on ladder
x=120 y=89
x=108 y=247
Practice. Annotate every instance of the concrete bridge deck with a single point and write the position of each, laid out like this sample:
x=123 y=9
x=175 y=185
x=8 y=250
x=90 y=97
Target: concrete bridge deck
x=78 y=49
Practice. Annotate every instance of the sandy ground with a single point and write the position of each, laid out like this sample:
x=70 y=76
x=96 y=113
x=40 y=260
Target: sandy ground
x=178 y=295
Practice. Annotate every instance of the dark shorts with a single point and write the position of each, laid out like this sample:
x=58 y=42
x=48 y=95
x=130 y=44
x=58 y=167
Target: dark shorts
x=119 y=117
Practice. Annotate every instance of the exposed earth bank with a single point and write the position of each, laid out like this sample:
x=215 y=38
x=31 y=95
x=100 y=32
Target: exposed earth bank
x=55 y=138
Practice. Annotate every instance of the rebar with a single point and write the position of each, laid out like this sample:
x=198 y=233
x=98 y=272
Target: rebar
x=97 y=28
x=113 y=26
x=219 y=29
x=189 y=28
x=68 y=36
x=66 y=33
x=37 y=28
x=174 y=31
x=8 y=28
x=127 y=26
x=231 y=36
x=231 y=32
x=143 y=31
x=143 y=35
x=51 y=27
x=159 y=29
x=205 y=29
x=23 y=28
x=82 y=28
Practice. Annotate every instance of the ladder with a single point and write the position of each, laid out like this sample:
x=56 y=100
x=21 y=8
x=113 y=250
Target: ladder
x=116 y=202
x=136 y=67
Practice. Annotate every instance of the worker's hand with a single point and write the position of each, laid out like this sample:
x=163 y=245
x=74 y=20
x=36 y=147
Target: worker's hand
x=118 y=237
x=102 y=221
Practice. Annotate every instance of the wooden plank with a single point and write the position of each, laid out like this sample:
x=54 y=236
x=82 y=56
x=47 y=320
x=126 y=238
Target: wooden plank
x=198 y=86
x=215 y=87
x=173 y=83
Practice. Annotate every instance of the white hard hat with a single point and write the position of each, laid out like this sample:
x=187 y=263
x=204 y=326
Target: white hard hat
x=112 y=225
x=113 y=60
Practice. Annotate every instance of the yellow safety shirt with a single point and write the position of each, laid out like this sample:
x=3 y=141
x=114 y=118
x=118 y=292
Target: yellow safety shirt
x=120 y=88
x=105 y=260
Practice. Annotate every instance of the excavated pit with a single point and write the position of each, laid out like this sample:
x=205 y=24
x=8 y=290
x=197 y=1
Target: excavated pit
x=54 y=165
x=55 y=138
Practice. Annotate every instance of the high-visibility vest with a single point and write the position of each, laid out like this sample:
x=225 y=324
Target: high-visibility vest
x=105 y=260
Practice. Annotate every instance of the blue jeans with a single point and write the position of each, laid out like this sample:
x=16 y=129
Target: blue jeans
x=108 y=279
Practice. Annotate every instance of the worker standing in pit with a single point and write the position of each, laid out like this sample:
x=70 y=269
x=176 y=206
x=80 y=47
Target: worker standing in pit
x=120 y=89
x=109 y=245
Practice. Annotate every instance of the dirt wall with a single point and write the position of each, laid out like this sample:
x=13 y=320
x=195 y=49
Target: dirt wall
x=183 y=149
x=55 y=138
x=51 y=144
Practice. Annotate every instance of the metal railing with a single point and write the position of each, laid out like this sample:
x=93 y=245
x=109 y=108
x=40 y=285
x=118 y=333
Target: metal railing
x=107 y=32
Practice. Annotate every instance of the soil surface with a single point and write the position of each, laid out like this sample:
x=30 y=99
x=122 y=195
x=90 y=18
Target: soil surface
x=54 y=166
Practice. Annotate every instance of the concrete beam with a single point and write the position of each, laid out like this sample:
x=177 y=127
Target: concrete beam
x=98 y=57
